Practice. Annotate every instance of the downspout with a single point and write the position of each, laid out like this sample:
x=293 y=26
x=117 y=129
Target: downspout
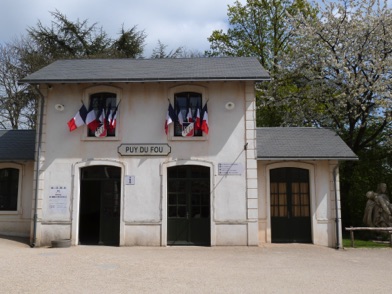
x=336 y=206
x=37 y=164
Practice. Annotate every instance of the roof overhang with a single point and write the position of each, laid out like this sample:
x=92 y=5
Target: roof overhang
x=119 y=80
x=305 y=158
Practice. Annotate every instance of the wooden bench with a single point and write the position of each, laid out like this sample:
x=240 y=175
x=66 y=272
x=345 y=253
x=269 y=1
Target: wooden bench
x=352 y=229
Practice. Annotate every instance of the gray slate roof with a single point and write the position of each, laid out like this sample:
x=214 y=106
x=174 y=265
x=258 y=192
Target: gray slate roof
x=17 y=145
x=301 y=143
x=149 y=70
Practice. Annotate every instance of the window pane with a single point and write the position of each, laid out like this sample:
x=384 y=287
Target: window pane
x=9 y=182
x=183 y=102
x=103 y=102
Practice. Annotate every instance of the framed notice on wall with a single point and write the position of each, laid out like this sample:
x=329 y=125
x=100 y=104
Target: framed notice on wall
x=230 y=169
x=58 y=199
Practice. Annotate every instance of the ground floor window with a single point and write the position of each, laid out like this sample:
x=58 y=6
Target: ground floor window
x=9 y=183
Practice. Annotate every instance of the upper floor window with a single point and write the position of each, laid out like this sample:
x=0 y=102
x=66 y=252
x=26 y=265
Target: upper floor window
x=102 y=115
x=186 y=106
x=9 y=183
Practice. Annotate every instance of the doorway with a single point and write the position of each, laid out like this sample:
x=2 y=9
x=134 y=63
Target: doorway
x=100 y=203
x=188 y=205
x=290 y=205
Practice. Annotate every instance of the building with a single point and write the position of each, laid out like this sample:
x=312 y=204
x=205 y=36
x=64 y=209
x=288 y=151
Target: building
x=148 y=163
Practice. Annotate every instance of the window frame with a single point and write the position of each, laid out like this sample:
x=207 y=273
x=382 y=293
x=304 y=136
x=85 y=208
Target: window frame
x=86 y=99
x=20 y=177
x=188 y=96
x=187 y=89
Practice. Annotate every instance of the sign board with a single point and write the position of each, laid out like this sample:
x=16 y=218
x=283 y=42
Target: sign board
x=144 y=149
x=58 y=199
x=230 y=169
x=129 y=180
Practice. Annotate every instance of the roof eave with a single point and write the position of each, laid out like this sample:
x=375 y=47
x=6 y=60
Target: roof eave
x=306 y=158
x=153 y=80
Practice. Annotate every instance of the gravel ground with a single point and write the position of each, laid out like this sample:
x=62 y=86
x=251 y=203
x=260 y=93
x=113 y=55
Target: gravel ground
x=273 y=268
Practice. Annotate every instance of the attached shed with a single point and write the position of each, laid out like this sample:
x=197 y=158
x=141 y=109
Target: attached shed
x=298 y=185
x=16 y=181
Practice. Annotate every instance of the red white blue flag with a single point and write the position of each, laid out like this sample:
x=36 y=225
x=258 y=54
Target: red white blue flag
x=91 y=120
x=204 y=120
x=189 y=117
x=78 y=120
x=170 y=117
x=101 y=131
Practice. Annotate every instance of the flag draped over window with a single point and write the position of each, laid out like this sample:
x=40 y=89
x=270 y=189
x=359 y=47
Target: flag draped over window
x=78 y=120
x=101 y=131
x=189 y=117
x=101 y=125
x=204 y=120
x=170 y=117
x=91 y=120
x=113 y=120
x=198 y=122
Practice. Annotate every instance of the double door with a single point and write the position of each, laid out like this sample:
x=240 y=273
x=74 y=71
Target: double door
x=290 y=205
x=99 y=214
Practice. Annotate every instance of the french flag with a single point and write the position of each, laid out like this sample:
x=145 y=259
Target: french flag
x=204 y=122
x=170 y=117
x=113 y=119
x=189 y=116
x=198 y=122
x=101 y=131
x=91 y=120
x=78 y=120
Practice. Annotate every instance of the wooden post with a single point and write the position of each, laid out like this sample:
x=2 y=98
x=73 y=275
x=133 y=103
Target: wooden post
x=352 y=238
x=390 y=238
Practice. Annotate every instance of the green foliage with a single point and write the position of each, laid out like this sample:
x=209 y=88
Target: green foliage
x=160 y=51
x=365 y=243
x=129 y=45
x=67 y=39
x=258 y=28
x=373 y=167
x=17 y=103
x=341 y=65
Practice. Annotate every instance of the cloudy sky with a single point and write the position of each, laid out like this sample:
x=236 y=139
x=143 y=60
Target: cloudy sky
x=173 y=22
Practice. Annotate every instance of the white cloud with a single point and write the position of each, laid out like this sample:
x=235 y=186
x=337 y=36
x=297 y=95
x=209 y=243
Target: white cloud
x=173 y=22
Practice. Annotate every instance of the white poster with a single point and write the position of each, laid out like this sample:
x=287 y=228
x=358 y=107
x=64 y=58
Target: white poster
x=58 y=200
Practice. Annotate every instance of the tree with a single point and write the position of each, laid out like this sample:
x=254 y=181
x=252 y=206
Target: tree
x=130 y=44
x=340 y=66
x=17 y=105
x=68 y=39
x=160 y=51
x=260 y=28
x=343 y=60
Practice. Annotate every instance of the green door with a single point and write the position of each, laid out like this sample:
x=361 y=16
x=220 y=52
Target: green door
x=290 y=205
x=99 y=214
x=188 y=205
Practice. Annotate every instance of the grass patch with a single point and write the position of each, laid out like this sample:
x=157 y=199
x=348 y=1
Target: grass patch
x=358 y=243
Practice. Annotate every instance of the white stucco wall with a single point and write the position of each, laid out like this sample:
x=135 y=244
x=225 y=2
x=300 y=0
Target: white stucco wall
x=141 y=118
